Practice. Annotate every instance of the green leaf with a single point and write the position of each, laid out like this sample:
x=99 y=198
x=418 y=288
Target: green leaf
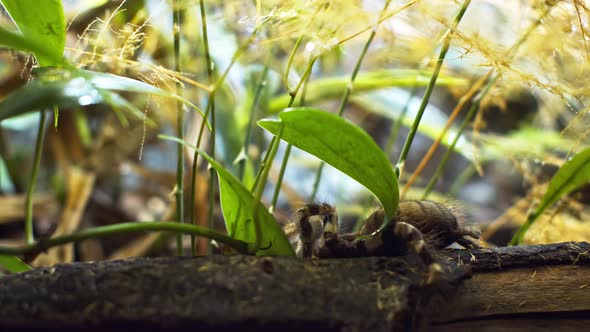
x=342 y=145
x=332 y=87
x=42 y=23
x=119 y=83
x=13 y=264
x=18 y=42
x=572 y=175
x=40 y=94
x=243 y=214
x=70 y=87
x=107 y=81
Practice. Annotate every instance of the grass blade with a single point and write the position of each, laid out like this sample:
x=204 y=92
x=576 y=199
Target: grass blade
x=573 y=174
x=332 y=87
x=13 y=264
x=43 y=26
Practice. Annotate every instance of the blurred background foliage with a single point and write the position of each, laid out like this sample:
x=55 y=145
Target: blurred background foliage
x=98 y=169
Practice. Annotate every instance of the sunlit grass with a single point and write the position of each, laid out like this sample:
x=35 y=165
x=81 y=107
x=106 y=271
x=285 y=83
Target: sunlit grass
x=539 y=47
x=550 y=63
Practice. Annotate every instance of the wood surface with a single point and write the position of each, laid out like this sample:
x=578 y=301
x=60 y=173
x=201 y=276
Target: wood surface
x=525 y=288
x=540 y=288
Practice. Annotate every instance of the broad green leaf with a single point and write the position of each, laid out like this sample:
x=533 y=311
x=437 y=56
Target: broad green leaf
x=18 y=42
x=42 y=23
x=39 y=94
x=13 y=264
x=241 y=212
x=332 y=87
x=119 y=83
x=342 y=145
x=107 y=81
x=573 y=174
x=74 y=87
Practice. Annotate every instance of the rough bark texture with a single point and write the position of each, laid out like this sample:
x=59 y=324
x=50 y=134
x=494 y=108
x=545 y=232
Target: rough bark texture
x=498 y=259
x=373 y=293
x=513 y=289
x=525 y=288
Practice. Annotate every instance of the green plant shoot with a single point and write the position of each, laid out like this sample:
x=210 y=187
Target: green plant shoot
x=573 y=174
x=342 y=145
x=245 y=218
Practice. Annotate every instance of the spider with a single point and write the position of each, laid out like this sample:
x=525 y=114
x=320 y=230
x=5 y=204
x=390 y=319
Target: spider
x=420 y=223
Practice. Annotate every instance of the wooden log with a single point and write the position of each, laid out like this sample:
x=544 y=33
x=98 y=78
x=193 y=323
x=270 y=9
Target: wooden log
x=222 y=292
x=513 y=289
x=502 y=258
x=525 y=288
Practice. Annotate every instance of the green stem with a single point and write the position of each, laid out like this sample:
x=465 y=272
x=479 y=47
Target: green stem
x=262 y=165
x=83 y=129
x=252 y=118
x=272 y=151
x=124 y=228
x=179 y=193
x=293 y=94
x=389 y=147
x=211 y=207
x=288 y=150
x=34 y=172
x=290 y=62
x=398 y=123
x=510 y=54
x=216 y=86
x=512 y=51
x=211 y=107
x=277 y=190
x=194 y=175
x=470 y=114
x=12 y=167
x=441 y=57
x=234 y=58
x=519 y=236
x=211 y=110
x=194 y=179
x=357 y=66
x=316 y=182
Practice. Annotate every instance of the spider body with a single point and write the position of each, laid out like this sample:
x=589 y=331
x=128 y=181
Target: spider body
x=420 y=223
